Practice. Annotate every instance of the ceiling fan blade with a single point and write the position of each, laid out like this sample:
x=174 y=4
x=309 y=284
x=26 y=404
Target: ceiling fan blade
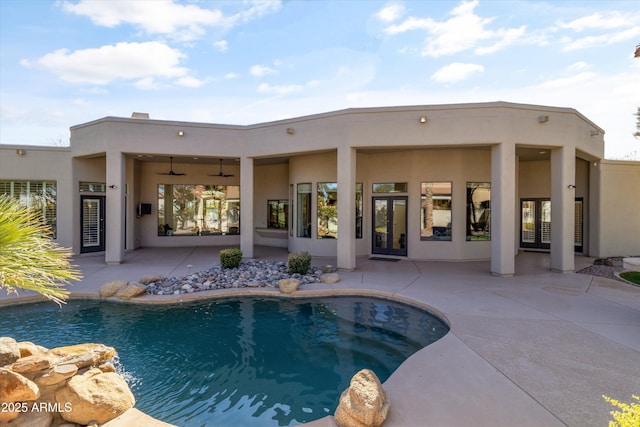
x=220 y=174
x=171 y=172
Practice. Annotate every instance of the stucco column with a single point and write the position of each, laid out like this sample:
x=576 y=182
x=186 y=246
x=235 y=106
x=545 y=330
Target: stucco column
x=503 y=202
x=346 y=250
x=115 y=208
x=563 y=173
x=246 y=206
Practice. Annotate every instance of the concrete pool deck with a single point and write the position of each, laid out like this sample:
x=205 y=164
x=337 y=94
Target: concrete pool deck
x=536 y=349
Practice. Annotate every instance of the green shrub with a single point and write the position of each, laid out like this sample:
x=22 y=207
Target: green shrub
x=299 y=262
x=629 y=414
x=230 y=258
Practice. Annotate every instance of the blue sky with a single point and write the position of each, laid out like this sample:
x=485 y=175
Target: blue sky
x=64 y=63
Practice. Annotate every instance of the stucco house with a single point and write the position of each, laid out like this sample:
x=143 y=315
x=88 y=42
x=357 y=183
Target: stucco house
x=434 y=182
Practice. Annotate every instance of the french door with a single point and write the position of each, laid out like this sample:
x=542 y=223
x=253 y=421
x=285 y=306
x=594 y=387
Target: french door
x=92 y=223
x=389 y=226
x=535 y=224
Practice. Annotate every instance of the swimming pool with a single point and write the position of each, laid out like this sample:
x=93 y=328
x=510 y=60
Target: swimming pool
x=243 y=361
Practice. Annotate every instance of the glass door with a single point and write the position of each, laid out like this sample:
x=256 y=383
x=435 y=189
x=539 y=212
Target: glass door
x=389 y=225
x=92 y=223
x=535 y=224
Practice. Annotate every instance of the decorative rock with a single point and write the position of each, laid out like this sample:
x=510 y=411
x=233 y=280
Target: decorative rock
x=98 y=398
x=131 y=290
x=56 y=375
x=250 y=273
x=29 y=349
x=83 y=355
x=150 y=278
x=109 y=289
x=37 y=362
x=328 y=268
x=107 y=367
x=16 y=388
x=330 y=278
x=364 y=403
x=33 y=418
x=289 y=286
x=9 y=351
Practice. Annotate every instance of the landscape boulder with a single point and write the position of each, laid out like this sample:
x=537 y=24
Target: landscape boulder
x=364 y=403
x=111 y=288
x=96 y=397
x=330 y=278
x=9 y=351
x=288 y=286
x=131 y=290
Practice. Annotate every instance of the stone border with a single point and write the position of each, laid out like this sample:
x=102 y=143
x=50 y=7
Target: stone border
x=622 y=279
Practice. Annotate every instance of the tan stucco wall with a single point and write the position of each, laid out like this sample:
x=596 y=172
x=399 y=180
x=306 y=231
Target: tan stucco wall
x=46 y=164
x=454 y=145
x=618 y=212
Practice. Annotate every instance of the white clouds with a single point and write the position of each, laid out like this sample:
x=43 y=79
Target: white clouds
x=599 y=20
x=617 y=28
x=188 y=81
x=279 y=89
x=464 y=30
x=165 y=17
x=602 y=40
x=391 y=12
x=123 y=61
x=221 y=45
x=455 y=72
x=570 y=81
x=261 y=70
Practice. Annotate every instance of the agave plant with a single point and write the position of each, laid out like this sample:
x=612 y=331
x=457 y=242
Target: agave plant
x=29 y=258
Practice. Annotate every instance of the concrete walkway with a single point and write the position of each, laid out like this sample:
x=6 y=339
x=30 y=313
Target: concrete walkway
x=536 y=349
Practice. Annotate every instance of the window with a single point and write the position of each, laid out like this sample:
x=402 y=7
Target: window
x=38 y=195
x=359 y=207
x=93 y=187
x=390 y=187
x=327 y=210
x=304 y=210
x=435 y=211
x=198 y=210
x=277 y=214
x=478 y=211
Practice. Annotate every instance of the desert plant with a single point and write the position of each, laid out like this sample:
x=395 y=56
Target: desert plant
x=230 y=258
x=29 y=258
x=629 y=414
x=299 y=262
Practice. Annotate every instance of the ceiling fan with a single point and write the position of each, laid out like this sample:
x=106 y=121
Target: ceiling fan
x=224 y=175
x=171 y=172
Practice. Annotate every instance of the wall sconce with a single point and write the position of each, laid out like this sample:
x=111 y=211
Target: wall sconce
x=113 y=187
x=291 y=131
x=180 y=133
x=594 y=133
x=571 y=187
x=423 y=119
x=20 y=152
x=543 y=119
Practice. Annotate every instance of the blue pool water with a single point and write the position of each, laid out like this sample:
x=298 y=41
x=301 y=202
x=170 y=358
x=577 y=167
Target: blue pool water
x=236 y=362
